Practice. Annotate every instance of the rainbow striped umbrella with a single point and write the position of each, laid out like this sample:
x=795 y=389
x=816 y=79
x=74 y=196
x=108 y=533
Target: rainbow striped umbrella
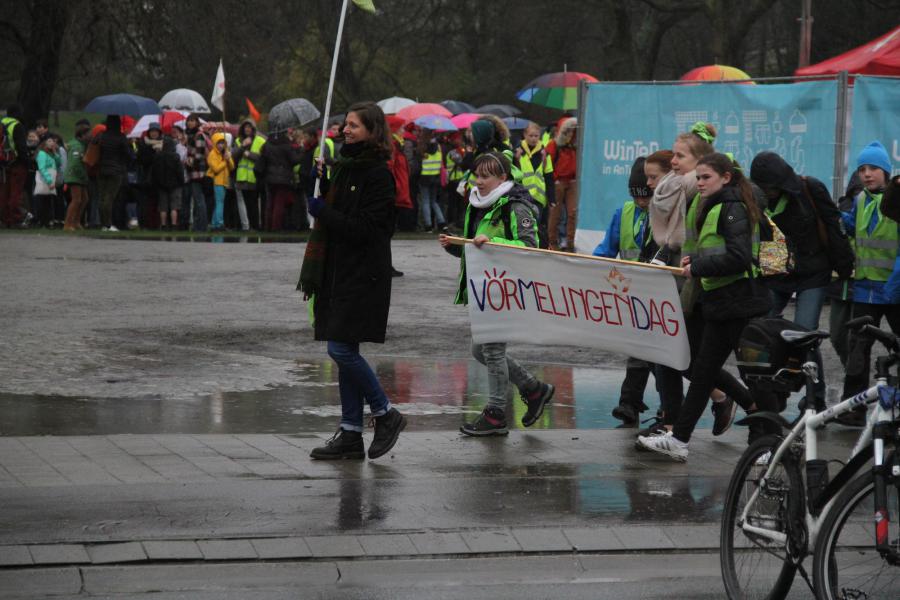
x=716 y=73
x=555 y=90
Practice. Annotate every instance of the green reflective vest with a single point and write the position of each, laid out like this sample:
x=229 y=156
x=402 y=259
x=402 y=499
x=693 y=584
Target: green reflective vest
x=689 y=248
x=431 y=163
x=533 y=179
x=244 y=169
x=876 y=251
x=501 y=226
x=329 y=155
x=628 y=246
x=454 y=171
x=710 y=243
x=9 y=125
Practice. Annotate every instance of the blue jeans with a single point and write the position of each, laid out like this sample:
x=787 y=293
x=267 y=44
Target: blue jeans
x=806 y=314
x=358 y=384
x=218 y=220
x=428 y=204
x=502 y=369
x=200 y=218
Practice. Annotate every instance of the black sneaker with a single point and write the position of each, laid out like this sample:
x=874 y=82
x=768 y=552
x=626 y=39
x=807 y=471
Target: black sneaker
x=655 y=427
x=490 y=422
x=627 y=414
x=536 y=401
x=387 y=429
x=395 y=272
x=723 y=413
x=854 y=418
x=343 y=444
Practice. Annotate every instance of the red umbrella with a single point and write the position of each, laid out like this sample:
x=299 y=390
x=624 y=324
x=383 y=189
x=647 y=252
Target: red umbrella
x=716 y=73
x=879 y=57
x=171 y=117
x=413 y=112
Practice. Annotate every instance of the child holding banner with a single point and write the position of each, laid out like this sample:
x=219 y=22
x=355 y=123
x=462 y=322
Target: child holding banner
x=502 y=212
x=722 y=261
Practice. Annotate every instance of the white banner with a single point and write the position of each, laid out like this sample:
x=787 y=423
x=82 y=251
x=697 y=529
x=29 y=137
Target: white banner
x=538 y=297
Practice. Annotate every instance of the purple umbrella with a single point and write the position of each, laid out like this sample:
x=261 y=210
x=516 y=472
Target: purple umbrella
x=436 y=123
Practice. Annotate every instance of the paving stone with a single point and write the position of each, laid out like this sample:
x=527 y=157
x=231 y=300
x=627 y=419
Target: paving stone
x=490 y=541
x=334 y=546
x=14 y=555
x=226 y=549
x=439 y=543
x=172 y=550
x=59 y=554
x=40 y=583
x=593 y=538
x=643 y=538
x=542 y=539
x=269 y=548
x=693 y=536
x=117 y=553
x=396 y=544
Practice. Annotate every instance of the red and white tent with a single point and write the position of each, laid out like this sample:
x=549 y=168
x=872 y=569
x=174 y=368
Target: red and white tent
x=879 y=57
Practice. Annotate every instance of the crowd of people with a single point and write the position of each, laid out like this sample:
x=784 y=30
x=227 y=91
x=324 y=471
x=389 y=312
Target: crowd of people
x=199 y=176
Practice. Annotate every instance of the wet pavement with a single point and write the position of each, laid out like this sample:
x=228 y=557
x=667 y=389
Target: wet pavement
x=171 y=393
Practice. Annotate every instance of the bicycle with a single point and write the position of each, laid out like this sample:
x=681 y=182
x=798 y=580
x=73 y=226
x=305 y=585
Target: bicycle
x=780 y=501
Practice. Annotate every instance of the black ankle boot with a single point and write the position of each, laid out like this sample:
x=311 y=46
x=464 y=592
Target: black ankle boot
x=387 y=429
x=343 y=444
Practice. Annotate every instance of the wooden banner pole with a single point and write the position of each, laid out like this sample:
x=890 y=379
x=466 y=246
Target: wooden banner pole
x=458 y=241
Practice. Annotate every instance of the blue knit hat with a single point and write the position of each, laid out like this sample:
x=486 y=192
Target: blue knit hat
x=875 y=154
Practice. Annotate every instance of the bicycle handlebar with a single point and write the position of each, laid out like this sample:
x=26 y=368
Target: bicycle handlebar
x=887 y=339
x=859 y=322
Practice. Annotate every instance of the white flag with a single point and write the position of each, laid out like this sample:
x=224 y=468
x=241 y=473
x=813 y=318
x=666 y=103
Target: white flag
x=218 y=95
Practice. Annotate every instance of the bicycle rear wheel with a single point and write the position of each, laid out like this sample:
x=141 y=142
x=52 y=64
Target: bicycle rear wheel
x=846 y=564
x=755 y=567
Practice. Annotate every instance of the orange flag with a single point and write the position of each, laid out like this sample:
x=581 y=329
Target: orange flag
x=254 y=114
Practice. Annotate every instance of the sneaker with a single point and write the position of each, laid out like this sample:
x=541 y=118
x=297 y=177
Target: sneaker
x=763 y=459
x=723 y=413
x=627 y=414
x=112 y=228
x=666 y=444
x=536 y=401
x=387 y=429
x=395 y=272
x=491 y=421
x=655 y=426
x=343 y=444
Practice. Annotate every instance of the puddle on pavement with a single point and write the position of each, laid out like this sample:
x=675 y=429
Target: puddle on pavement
x=438 y=394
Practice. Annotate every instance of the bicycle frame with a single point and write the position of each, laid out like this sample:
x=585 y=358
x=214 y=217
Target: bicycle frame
x=806 y=429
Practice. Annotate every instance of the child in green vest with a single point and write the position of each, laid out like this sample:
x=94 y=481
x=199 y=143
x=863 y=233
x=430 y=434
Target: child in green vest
x=500 y=211
x=877 y=266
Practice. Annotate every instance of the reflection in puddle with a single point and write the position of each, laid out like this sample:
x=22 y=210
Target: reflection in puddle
x=438 y=394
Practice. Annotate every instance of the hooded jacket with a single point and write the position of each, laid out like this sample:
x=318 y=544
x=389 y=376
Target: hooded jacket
x=167 y=171
x=276 y=161
x=246 y=154
x=562 y=151
x=220 y=167
x=116 y=152
x=794 y=214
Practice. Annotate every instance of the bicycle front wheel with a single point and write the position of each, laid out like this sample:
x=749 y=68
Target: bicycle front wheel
x=846 y=564
x=755 y=567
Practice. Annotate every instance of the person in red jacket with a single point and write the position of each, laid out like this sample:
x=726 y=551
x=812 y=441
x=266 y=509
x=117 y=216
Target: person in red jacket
x=399 y=168
x=562 y=152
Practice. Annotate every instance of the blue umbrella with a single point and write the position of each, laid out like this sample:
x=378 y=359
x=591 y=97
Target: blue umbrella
x=122 y=104
x=436 y=123
x=515 y=123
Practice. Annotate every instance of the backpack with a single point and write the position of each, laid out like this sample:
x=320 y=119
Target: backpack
x=762 y=354
x=831 y=233
x=7 y=152
x=91 y=156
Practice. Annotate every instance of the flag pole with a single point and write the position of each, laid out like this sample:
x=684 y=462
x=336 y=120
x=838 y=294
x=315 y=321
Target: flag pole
x=334 y=62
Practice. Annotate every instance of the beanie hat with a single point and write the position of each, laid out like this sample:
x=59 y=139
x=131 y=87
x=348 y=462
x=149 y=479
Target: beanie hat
x=482 y=132
x=875 y=154
x=395 y=123
x=637 y=181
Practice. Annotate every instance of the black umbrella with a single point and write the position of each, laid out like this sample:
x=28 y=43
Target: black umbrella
x=123 y=104
x=294 y=113
x=457 y=107
x=500 y=110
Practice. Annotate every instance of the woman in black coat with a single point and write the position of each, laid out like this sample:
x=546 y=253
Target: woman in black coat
x=347 y=275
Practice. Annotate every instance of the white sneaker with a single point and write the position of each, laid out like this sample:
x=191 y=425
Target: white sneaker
x=113 y=228
x=664 y=443
x=763 y=459
x=133 y=224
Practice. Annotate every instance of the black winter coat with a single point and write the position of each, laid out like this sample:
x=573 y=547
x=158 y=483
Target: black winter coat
x=812 y=266
x=116 y=153
x=746 y=297
x=167 y=172
x=277 y=160
x=353 y=303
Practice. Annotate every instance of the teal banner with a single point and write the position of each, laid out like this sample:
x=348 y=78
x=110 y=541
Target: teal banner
x=624 y=121
x=875 y=116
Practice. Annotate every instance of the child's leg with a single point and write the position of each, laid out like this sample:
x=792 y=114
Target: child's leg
x=493 y=356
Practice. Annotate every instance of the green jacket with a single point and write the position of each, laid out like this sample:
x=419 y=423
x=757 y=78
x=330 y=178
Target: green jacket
x=76 y=173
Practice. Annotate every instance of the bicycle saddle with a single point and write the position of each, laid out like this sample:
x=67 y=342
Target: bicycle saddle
x=803 y=338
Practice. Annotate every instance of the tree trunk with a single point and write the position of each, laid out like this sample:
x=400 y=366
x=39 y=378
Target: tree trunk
x=48 y=28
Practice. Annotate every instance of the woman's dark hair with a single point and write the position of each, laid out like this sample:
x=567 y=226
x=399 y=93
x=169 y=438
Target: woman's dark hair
x=722 y=164
x=890 y=200
x=663 y=158
x=82 y=130
x=492 y=164
x=371 y=115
